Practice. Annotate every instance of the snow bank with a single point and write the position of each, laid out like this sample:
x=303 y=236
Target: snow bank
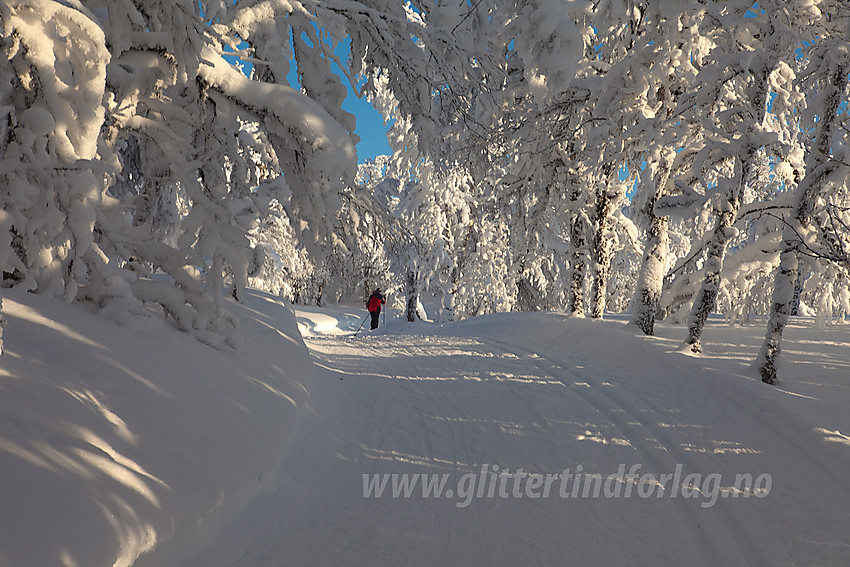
x=339 y=320
x=113 y=442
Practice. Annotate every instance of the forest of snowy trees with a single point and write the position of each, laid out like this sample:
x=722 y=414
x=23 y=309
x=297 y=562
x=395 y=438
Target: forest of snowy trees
x=668 y=158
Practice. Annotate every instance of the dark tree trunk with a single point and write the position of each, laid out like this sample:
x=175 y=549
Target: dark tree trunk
x=651 y=277
x=605 y=203
x=578 y=257
x=818 y=169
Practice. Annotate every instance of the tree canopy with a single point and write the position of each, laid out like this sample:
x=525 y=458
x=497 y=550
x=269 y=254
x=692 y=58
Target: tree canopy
x=664 y=157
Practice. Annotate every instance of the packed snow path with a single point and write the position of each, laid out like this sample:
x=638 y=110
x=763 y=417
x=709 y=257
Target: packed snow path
x=543 y=393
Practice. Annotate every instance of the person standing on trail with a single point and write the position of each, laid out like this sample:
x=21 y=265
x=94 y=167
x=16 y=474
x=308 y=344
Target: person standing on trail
x=374 y=306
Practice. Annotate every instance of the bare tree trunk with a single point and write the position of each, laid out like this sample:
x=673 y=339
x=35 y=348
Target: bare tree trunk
x=412 y=297
x=526 y=299
x=578 y=257
x=706 y=297
x=818 y=169
x=602 y=266
x=651 y=277
x=798 y=293
x=412 y=300
x=605 y=203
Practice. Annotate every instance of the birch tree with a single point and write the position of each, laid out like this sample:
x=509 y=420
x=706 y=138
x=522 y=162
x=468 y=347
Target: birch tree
x=827 y=72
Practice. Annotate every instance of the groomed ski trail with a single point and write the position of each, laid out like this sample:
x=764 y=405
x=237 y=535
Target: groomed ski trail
x=530 y=392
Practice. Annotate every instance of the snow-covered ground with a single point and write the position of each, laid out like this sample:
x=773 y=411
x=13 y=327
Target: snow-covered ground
x=114 y=441
x=543 y=393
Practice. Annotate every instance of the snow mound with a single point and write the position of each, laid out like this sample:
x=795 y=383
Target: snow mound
x=115 y=441
x=342 y=319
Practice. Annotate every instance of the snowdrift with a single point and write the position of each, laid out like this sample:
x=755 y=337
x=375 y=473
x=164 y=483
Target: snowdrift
x=114 y=441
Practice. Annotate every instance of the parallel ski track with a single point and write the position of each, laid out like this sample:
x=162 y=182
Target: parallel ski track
x=422 y=404
x=595 y=399
x=781 y=432
x=427 y=423
x=425 y=398
x=661 y=460
x=729 y=539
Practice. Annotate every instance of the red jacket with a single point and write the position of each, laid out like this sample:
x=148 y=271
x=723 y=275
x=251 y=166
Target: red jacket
x=375 y=302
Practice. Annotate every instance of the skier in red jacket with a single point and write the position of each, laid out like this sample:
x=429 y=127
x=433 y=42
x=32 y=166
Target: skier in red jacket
x=374 y=305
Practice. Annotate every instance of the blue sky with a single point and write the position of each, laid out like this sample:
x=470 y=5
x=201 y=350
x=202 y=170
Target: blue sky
x=370 y=124
x=370 y=127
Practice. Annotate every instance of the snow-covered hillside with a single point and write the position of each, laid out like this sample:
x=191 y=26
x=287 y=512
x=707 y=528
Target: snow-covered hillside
x=113 y=441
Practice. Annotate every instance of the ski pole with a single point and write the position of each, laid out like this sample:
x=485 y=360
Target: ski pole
x=361 y=324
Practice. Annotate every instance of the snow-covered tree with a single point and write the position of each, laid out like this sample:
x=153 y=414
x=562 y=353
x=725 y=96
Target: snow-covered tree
x=53 y=72
x=825 y=167
x=155 y=155
x=660 y=57
x=433 y=210
x=734 y=87
x=194 y=150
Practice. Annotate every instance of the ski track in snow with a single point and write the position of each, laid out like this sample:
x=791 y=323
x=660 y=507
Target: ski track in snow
x=662 y=458
x=439 y=402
